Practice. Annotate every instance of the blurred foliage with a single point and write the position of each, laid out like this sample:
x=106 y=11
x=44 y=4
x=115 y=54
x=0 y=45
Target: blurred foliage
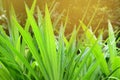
x=91 y=12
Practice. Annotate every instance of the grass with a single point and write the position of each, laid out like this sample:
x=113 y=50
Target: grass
x=45 y=56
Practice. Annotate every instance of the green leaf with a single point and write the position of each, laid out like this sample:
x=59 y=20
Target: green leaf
x=97 y=51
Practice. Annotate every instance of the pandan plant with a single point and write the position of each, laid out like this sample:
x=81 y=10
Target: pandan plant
x=44 y=55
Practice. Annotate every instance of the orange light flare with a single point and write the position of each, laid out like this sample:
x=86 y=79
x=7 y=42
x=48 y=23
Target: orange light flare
x=91 y=13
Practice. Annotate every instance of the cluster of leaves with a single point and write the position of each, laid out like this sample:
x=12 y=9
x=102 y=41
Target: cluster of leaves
x=45 y=56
